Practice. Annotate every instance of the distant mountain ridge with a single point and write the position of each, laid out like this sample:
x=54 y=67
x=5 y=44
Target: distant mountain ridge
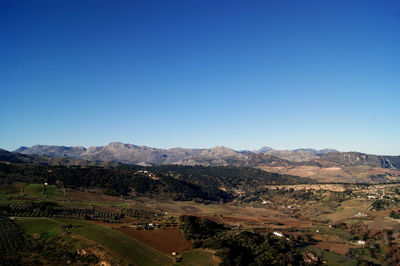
x=217 y=156
x=323 y=165
x=143 y=155
x=14 y=157
x=357 y=158
x=54 y=151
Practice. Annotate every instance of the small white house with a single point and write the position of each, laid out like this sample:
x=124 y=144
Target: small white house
x=361 y=242
x=360 y=215
x=278 y=234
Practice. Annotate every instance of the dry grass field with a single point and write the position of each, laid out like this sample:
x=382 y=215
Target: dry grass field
x=348 y=209
x=383 y=223
x=256 y=217
x=330 y=172
x=77 y=195
x=339 y=248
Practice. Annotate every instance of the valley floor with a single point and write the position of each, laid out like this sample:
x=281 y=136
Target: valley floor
x=338 y=224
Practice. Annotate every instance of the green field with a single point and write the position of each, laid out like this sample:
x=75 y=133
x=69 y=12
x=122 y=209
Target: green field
x=9 y=191
x=213 y=209
x=105 y=203
x=7 y=201
x=198 y=257
x=125 y=247
x=39 y=226
x=55 y=193
x=34 y=191
x=13 y=188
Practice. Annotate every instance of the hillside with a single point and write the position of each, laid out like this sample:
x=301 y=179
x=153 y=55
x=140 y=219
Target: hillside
x=169 y=181
x=326 y=165
x=356 y=158
x=13 y=157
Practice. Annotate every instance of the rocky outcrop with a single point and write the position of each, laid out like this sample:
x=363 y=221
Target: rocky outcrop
x=356 y=158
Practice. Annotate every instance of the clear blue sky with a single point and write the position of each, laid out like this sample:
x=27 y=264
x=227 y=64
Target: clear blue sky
x=243 y=74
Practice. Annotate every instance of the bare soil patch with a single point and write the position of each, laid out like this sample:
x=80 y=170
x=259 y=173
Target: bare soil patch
x=214 y=218
x=259 y=219
x=166 y=241
x=260 y=230
x=378 y=214
x=104 y=223
x=385 y=223
x=78 y=195
x=190 y=209
x=338 y=248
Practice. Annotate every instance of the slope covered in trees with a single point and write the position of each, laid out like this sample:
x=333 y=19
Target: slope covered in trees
x=240 y=248
x=176 y=182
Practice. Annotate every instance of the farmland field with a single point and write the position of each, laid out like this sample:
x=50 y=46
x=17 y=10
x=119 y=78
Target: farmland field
x=339 y=248
x=333 y=259
x=91 y=196
x=34 y=226
x=164 y=240
x=129 y=249
x=199 y=257
x=11 y=188
x=326 y=219
x=55 y=193
x=12 y=238
x=33 y=191
x=123 y=246
x=348 y=209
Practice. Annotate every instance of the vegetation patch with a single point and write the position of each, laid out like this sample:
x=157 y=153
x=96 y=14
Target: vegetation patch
x=240 y=248
x=34 y=191
x=199 y=257
x=33 y=226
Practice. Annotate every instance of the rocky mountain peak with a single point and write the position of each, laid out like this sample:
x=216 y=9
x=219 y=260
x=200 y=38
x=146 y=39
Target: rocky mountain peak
x=264 y=149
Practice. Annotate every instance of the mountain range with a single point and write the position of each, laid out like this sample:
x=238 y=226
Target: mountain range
x=143 y=155
x=323 y=165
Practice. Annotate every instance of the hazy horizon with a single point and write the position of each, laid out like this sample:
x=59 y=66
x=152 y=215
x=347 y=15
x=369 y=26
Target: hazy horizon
x=196 y=74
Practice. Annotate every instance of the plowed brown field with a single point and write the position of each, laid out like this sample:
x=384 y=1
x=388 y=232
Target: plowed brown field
x=166 y=241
